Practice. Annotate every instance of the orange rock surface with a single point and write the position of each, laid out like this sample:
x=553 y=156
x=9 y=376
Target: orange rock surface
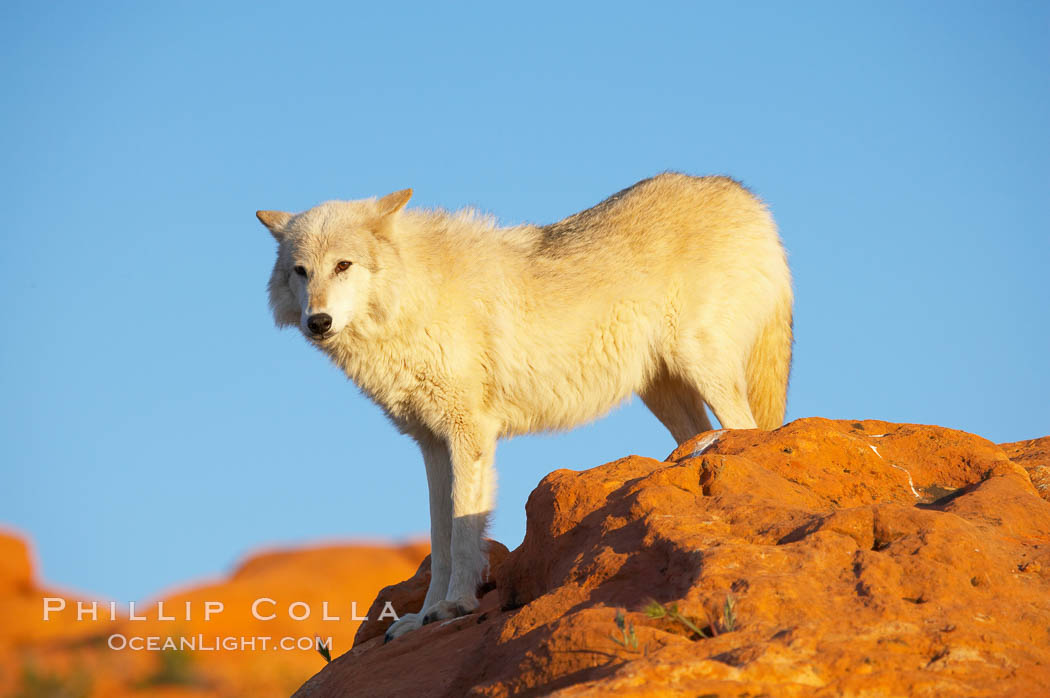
x=1034 y=456
x=73 y=658
x=826 y=558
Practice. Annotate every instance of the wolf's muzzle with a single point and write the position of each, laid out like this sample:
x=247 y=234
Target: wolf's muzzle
x=319 y=323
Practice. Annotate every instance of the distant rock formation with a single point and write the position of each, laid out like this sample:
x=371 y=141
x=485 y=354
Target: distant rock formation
x=71 y=658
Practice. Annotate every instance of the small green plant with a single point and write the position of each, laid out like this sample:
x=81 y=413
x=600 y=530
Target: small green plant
x=627 y=639
x=39 y=684
x=654 y=609
x=174 y=668
x=322 y=649
x=729 y=614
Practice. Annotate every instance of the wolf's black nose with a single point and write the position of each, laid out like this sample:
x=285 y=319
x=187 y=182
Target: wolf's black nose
x=319 y=323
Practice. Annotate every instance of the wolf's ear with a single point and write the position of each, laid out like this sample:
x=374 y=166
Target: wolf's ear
x=275 y=221
x=392 y=203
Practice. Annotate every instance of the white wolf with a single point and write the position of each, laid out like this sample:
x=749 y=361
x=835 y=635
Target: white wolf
x=676 y=288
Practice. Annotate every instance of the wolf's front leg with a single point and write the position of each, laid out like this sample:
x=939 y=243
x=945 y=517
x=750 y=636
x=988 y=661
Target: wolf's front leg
x=473 y=487
x=439 y=481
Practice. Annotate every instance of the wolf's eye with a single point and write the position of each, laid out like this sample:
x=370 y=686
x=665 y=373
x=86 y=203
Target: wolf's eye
x=342 y=266
x=300 y=270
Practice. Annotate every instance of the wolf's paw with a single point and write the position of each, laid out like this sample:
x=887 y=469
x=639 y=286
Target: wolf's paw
x=444 y=610
x=406 y=624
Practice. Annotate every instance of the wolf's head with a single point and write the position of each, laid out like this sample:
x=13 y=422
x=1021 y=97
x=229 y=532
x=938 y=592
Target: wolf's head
x=328 y=261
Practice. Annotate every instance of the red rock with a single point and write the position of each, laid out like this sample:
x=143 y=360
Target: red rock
x=16 y=571
x=21 y=603
x=74 y=654
x=860 y=558
x=1034 y=456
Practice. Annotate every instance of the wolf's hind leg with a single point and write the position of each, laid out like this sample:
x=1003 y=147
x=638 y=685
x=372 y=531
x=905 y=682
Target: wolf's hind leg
x=723 y=384
x=473 y=489
x=678 y=405
x=439 y=481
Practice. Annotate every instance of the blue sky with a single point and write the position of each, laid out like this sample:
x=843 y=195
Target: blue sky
x=155 y=426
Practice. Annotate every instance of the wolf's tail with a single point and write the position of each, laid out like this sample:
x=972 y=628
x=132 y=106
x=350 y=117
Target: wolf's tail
x=768 y=367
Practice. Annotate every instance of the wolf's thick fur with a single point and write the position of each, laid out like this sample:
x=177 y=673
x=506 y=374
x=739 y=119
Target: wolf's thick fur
x=676 y=288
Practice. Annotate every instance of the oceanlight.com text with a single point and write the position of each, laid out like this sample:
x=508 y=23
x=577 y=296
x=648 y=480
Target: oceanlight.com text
x=216 y=643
